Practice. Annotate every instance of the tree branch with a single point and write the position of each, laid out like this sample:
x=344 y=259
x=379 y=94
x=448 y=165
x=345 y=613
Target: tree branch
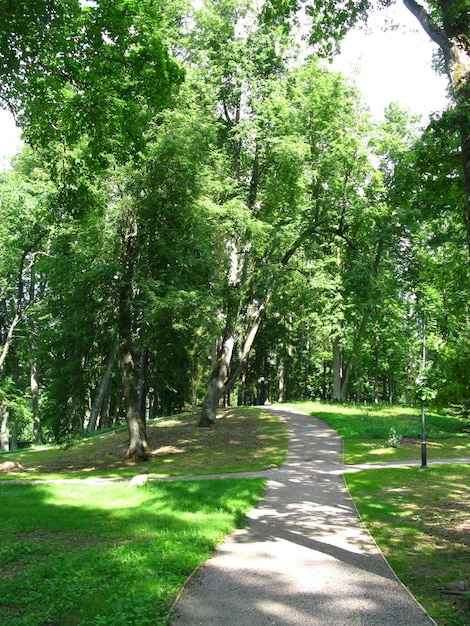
x=436 y=33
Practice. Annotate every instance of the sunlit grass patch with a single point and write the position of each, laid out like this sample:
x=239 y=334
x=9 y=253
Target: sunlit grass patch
x=420 y=521
x=243 y=439
x=109 y=555
x=391 y=433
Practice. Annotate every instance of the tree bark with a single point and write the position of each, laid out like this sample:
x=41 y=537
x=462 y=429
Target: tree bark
x=282 y=387
x=216 y=387
x=101 y=393
x=221 y=382
x=4 y=432
x=337 y=370
x=9 y=337
x=37 y=431
x=139 y=449
x=144 y=364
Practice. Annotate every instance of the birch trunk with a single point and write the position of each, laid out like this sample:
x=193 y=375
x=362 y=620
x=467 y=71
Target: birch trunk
x=37 y=431
x=4 y=432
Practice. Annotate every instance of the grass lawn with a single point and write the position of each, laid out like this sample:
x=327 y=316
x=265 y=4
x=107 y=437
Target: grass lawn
x=244 y=439
x=112 y=555
x=109 y=555
x=371 y=433
x=420 y=519
x=421 y=522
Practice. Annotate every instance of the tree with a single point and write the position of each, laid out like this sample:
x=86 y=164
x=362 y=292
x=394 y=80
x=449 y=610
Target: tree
x=89 y=79
x=436 y=270
x=289 y=151
x=447 y=22
x=24 y=232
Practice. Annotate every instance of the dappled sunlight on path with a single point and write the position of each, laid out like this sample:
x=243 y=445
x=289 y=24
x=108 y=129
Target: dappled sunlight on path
x=305 y=557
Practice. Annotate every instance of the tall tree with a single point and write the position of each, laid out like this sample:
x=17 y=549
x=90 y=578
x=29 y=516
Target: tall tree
x=88 y=77
x=24 y=232
x=288 y=157
x=446 y=22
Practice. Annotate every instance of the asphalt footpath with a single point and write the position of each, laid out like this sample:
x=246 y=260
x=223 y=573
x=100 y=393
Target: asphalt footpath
x=305 y=557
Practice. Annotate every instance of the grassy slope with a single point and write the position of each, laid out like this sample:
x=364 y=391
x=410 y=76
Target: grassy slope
x=366 y=431
x=243 y=440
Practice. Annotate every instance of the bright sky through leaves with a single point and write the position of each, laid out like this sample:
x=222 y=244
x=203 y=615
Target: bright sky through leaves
x=387 y=66
x=394 y=65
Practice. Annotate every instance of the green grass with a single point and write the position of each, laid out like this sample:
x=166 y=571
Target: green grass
x=244 y=439
x=108 y=555
x=366 y=431
x=92 y=555
x=418 y=518
x=420 y=522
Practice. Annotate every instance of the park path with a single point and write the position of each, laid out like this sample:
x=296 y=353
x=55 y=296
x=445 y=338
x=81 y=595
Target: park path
x=305 y=558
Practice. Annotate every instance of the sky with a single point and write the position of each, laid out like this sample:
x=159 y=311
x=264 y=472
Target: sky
x=387 y=66
x=9 y=138
x=394 y=65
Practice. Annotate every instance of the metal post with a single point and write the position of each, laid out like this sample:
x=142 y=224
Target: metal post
x=423 y=417
x=423 y=438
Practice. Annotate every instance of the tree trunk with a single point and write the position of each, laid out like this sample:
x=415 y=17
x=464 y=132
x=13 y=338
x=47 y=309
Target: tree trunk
x=337 y=370
x=282 y=388
x=33 y=373
x=144 y=364
x=358 y=383
x=4 y=433
x=106 y=406
x=194 y=382
x=376 y=371
x=100 y=395
x=139 y=449
x=342 y=372
x=217 y=384
x=285 y=365
x=324 y=391
x=9 y=337
x=37 y=431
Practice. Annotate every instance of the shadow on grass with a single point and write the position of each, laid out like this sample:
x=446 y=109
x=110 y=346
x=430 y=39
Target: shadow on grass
x=109 y=554
x=244 y=439
x=420 y=521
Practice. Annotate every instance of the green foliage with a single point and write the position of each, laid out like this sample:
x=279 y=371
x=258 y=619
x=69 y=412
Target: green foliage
x=19 y=410
x=137 y=546
x=98 y=70
x=187 y=203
